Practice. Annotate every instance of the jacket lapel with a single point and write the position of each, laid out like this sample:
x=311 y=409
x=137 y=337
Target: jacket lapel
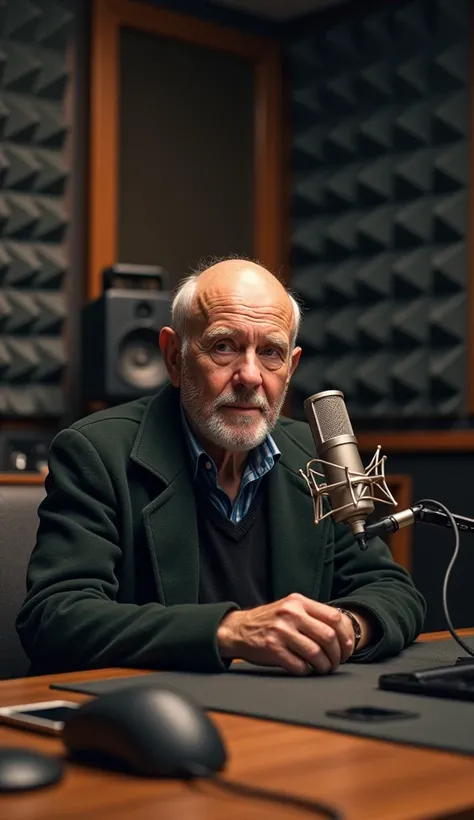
x=172 y=536
x=298 y=545
x=170 y=518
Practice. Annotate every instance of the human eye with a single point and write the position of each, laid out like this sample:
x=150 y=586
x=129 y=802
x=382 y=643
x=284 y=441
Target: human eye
x=270 y=352
x=272 y=356
x=223 y=347
x=223 y=351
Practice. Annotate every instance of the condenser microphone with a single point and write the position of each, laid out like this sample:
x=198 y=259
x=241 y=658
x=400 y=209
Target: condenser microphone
x=348 y=485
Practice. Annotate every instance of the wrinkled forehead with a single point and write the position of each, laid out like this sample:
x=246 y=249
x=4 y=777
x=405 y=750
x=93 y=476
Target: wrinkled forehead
x=242 y=301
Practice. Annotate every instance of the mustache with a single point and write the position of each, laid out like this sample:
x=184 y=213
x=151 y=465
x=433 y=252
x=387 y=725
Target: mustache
x=242 y=396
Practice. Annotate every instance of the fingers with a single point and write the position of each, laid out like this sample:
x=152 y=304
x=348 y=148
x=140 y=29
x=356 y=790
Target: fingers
x=286 y=646
x=298 y=664
x=321 y=612
x=312 y=641
x=294 y=664
x=320 y=636
x=332 y=639
x=335 y=622
x=312 y=653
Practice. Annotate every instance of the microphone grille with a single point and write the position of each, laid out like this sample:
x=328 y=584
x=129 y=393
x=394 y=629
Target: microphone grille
x=327 y=413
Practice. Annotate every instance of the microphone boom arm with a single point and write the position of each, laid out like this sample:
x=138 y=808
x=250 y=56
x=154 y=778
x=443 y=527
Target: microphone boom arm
x=418 y=512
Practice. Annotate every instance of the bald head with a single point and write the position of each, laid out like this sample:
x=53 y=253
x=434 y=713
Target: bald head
x=230 y=272
x=239 y=284
x=232 y=282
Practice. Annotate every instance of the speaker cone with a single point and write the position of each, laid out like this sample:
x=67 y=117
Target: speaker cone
x=140 y=363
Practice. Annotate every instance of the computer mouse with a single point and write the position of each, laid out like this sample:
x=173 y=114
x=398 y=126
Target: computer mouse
x=149 y=731
x=25 y=769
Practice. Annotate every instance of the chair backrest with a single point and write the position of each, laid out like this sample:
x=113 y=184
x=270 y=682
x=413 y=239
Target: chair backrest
x=18 y=527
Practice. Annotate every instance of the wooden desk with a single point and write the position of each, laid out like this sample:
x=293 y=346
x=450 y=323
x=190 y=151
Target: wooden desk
x=365 y=779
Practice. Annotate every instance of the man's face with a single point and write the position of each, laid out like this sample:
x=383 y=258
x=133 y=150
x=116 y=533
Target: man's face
x=236 y=365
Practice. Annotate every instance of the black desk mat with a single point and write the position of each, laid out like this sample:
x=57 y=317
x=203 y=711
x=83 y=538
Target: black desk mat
x=269 y=693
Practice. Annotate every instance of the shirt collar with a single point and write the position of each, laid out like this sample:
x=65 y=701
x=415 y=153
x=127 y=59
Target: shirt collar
x=261 y=458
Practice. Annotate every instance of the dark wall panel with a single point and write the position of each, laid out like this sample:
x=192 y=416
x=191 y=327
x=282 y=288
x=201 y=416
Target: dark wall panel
x=379 y=208
x=35 y=170
x=186 y=153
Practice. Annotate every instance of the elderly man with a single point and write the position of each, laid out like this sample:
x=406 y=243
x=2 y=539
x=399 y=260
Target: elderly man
x=177 y=532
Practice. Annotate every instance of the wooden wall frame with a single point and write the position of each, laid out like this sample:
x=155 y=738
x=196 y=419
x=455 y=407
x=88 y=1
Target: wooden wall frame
x=107 y=18
x=401 y=542
x=25 y=479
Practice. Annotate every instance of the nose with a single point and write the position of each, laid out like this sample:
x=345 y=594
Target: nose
x=248 y=372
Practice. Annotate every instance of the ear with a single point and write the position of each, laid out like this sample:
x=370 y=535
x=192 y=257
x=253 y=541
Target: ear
x=170 y=346
x=295 y=357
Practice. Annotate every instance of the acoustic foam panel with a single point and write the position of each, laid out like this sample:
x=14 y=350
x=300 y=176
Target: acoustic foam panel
x=34 y=173
x=379 y=209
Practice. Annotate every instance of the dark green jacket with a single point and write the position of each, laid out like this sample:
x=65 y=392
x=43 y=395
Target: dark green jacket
x=113 y=578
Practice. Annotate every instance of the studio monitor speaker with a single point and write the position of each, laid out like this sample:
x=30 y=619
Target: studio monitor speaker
x=121 y=358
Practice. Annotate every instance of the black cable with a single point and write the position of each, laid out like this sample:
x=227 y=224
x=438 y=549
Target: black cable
x=244 y=789
x=447 y=577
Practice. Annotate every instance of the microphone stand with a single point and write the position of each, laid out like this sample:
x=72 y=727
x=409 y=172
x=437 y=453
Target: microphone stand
x=419 y=512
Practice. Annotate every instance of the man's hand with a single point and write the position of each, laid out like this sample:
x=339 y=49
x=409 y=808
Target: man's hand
x=295 y=633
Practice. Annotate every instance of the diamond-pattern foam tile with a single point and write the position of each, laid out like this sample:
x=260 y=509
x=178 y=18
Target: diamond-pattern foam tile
x=380 y=170
x=34 y=221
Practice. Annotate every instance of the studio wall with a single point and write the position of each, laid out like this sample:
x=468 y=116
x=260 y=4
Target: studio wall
x=35 y=205
x=379 y=136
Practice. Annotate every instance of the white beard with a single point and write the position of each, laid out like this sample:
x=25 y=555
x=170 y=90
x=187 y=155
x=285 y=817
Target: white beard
x=245 y=432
